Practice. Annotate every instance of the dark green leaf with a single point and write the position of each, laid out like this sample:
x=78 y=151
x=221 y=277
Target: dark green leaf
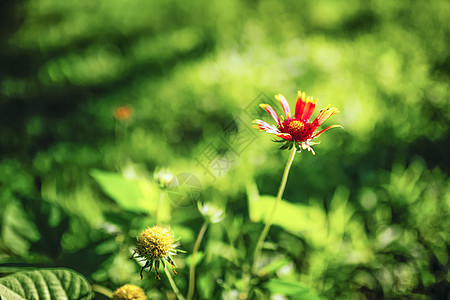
x=33 y=225
x=45 y=284
x=287 y=145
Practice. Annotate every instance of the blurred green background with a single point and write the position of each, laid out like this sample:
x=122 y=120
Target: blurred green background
x=370 y=215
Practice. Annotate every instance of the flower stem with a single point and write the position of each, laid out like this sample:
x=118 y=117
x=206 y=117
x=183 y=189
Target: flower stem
x=102 y=290
x=158 y=209
x=191 y=289
x=269 y=219
x=173 y=285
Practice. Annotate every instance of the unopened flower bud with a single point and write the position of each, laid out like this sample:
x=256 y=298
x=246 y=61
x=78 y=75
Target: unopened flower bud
x=212 y=212
x=163 y=177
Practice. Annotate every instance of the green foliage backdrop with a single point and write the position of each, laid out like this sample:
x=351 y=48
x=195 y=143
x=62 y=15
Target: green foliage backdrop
x=366 y=217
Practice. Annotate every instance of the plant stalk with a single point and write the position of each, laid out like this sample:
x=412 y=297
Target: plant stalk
x=158 y=209
x=102 y=290
x=173 y=285
x=269 y=219
x=192 y=267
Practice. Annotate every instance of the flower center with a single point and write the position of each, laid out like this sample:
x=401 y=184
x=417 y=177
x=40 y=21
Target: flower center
x=295 y=126
x=300 y=130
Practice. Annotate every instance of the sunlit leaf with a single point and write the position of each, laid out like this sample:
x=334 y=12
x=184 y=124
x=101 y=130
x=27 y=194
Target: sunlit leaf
x=221 y=249
x=45 y=284
x=339 y=215
x=205 y=285
x=275 y=265
x=198 y=258
x=127 y=193
x=291 y=288
x=292 y=217
x=137 y=195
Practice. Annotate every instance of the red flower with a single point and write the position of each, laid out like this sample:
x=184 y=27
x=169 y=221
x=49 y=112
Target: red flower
x=297 y=130
x=123 y=112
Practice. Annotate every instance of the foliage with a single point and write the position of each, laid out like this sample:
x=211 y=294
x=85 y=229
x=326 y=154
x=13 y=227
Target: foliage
x=59 y=283
x=366 y=217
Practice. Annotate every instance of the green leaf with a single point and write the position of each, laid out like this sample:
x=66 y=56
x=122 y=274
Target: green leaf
x=45 y=284
x=127 y=193
x=34 y=225
x=221 y=249
x=287 y=145
x=50 y=220
x=291 y=288
x=275 y=265
x=18 y=231
x=198 y=258
x=292 y=217
x=339 y=215
x=136 y=195
x=206 y=283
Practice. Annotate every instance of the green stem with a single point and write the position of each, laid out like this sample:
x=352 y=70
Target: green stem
x=102 y=290
x=269 y=220
x=158 y=209
x=192 y=267
x=173 y=285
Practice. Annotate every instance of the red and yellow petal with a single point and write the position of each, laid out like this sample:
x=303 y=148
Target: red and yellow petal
x=309 y=108
x=284 y=104
x=272 y=112
x=271 y=129
x=285 y=136
x=304 y=107
x=323 y=130
x=324 y=114
x=307 y=146
x=265 y=127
